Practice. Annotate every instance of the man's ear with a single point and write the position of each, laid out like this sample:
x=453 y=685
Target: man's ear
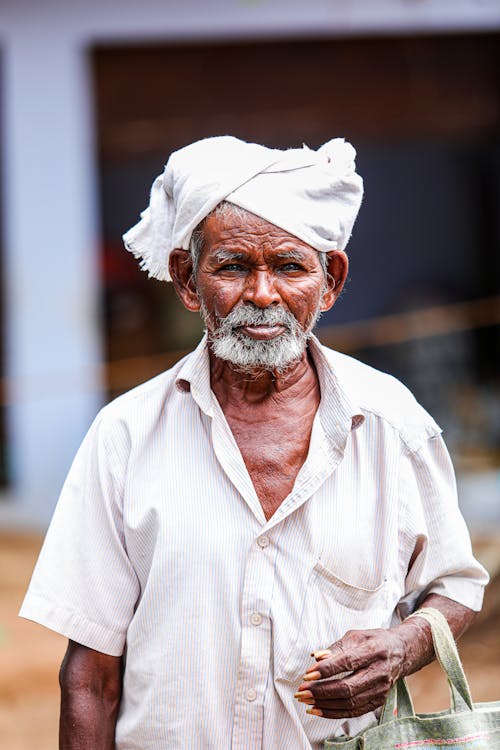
x=180 y=266
x=337 y=269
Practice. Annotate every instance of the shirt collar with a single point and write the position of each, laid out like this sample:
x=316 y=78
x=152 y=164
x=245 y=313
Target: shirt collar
x=338 y=409
x=194 y=377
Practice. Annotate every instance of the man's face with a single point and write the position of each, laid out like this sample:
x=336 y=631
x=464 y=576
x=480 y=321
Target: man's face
x=260 y=289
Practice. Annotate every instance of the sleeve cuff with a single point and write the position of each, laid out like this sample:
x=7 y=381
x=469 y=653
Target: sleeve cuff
x=466 y=593
x=72 y=625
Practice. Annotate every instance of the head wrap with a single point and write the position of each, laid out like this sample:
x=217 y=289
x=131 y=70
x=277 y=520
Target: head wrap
x=314 y=195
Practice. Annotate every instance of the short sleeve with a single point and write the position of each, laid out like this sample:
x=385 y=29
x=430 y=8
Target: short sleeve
x=84 y=585
x=435 y=533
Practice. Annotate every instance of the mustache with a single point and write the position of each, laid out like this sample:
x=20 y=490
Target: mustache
x=249 y=314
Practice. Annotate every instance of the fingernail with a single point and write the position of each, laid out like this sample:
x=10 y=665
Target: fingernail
x=303 y=694
x=321 y=654
x=311 y=676
x=314 y=711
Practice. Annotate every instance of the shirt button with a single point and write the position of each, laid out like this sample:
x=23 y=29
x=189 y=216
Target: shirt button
x=263 y=541
x=251 y=695
x=256 y=618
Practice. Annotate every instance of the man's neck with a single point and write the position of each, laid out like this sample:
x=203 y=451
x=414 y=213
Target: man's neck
x=235 y=388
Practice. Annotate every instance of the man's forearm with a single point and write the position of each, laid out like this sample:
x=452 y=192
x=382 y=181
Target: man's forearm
x=90 y=699
x=416 y=632
x=87 y=721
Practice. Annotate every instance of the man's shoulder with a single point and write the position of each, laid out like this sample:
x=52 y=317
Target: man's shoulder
x=383 y=396
x=145 y=401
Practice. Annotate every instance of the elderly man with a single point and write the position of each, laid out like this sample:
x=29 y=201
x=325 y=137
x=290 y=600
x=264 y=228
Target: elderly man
x=239 y=539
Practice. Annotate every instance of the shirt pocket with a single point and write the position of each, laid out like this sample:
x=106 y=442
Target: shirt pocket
x=331 y=607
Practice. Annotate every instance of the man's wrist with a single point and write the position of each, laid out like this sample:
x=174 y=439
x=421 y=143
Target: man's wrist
x=416 y=637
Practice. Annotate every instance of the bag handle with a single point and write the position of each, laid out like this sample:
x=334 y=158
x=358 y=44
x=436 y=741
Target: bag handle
x=398 y=703
x=447 y=655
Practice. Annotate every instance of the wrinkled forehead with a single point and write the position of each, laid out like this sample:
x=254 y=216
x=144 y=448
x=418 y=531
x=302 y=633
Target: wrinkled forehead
x=228 y=232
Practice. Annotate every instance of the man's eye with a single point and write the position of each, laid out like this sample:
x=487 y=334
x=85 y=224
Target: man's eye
x=291 y=267
x=232 y=267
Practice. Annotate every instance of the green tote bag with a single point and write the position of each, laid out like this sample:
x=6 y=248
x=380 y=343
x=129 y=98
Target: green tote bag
x=465 y=726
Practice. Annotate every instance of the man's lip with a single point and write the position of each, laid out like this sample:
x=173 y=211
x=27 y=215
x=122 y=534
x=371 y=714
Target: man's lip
x=262 y=332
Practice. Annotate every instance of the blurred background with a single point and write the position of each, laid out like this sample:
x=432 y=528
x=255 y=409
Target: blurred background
x=94 y=95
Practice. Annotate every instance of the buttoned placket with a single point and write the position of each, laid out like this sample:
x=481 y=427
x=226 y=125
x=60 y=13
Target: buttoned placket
x=255 y=606
x=256 y=627
x=255 y=654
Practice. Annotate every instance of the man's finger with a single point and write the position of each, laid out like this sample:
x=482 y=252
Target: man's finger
x=330 y=667
x=375 y=695
x=323 y=653
x=348 y=689
x=330 y=713
x=348 y=659
x=337 y=666
x=353 y=701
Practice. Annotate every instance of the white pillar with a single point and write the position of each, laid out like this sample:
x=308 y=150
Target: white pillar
x=51 y=279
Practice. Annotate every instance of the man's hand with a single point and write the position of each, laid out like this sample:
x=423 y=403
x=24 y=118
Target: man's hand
x=355 y=674
x=373 y=661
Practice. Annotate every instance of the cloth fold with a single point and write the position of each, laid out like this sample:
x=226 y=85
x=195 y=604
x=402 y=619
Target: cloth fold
x=314 y=195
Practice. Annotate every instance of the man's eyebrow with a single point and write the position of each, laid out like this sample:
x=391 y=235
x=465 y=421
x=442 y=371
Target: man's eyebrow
x=290 y=255
x=223 y=255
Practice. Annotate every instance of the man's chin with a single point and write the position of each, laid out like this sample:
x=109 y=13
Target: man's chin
x=250 y=355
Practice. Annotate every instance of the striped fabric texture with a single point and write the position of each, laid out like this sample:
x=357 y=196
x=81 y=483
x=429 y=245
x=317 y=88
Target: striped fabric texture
x=159 y=550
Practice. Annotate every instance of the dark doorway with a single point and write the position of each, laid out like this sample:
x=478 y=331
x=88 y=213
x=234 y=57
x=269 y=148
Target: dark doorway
x=424 y=115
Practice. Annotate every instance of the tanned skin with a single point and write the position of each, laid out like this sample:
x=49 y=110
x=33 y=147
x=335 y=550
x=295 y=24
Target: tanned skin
x=258 y=407
x=91 y=686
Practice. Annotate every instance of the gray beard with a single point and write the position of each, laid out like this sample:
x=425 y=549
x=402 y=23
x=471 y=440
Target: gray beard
x=247 y=354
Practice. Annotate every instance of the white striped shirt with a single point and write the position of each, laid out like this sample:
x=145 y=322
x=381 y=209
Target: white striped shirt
x=159 y=547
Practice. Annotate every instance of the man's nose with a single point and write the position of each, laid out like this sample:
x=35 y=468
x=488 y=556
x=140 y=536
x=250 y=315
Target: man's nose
x=260 y=289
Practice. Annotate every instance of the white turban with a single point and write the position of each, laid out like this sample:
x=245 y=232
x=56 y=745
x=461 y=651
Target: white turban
x=314 y=195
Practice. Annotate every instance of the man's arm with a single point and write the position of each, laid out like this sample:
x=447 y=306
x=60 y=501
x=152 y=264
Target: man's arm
x=91 y=684
x=375 y=659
